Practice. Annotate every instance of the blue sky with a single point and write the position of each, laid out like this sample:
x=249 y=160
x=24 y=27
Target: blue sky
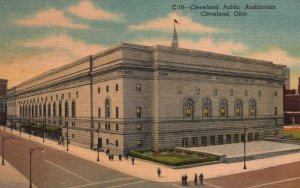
x=38 y=35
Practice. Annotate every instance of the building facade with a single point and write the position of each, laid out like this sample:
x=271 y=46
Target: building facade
x=291 y=106
x=135 y=97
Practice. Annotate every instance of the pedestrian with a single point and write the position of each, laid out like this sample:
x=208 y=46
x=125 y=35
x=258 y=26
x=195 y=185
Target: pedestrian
x=109 y=158
x=112 y=157
x=196 y=179
x=182 y=180
x=107 y=151
x=132 y=160
x=158 y=171
x=185 y=179
x=120 y=157
x=201 y=178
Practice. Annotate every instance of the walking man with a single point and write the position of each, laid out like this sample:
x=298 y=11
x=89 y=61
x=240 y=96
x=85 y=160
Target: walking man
x=132 y=160
x=158 y=171
x=120 y=157
x=201 y=178
x=185 y=179
x=196 y=179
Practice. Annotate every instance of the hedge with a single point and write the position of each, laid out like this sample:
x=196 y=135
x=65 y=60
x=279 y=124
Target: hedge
x=175 y=159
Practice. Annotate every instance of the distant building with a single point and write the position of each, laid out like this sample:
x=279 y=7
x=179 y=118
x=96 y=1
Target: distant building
x=291 y=106
x=287 y=78
x=3 y=89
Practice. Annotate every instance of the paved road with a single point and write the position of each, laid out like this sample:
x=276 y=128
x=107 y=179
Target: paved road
x=59 y=169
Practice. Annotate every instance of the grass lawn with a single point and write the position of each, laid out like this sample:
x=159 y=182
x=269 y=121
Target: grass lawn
x=294 y=133
x=174 y=159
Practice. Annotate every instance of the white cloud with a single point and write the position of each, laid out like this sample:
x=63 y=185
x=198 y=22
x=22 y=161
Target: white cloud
x=50 y=18
x=277 y=56
x=204 y=44
x=64 y=43
x=186 y=24
x=57 y=51
x=87 y=10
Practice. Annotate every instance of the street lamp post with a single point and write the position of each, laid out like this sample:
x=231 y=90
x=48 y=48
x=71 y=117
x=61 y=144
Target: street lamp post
x=43 y=131
x=245 y=129
x=3 y=139
x=31 y=152
x=98 y=143
x=67 y=136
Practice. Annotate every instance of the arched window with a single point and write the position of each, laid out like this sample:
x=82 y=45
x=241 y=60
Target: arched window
x=223 y=108
x=73 y=109
x=40 y=110
x=36 y=110
x=107 y=108
x=32 y=110
x=188 y=107
x=59 y=109
x=20 y=111
x=44 y=110
x=49 y=110
x=252 y=108
x=54 y=109
x=26 y=111
x=66 y=109
x=206 y=108
x=238 y=108
x=29 y=110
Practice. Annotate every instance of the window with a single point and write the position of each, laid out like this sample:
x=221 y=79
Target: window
x=235 y=138
x=139 y=143
x=206 y=108
x=56 y=97
x=99 y=112
x=256 y=136
x=116 y=143
x=73 y=109
x=275 y=93
x=66 y=109
x=44 y=110
x=238 y=107
x=194 y=141
x=77 y=94
x=250 y=137
x=242 y=137
x=117 y=127
x=117 y=87
x=73 y=135
x=223 y=108
x=107 y=126
x=99 y=125
x=36 y=110
x=117 y=112
x=51 y=98
x=228 y=139
x=99 y=90
x=220 y=139
x=215 y=92
x=188 y=108
x=138 y=112
x=107 y=141
x=49 y=110
x=203 y=141
x=252 y=108
x=138 y=87
x=259 y=93
x=212 y=140
x=138 y=127
x=73 y=123
x=107 y=89
x=184 y=142
x=59 y=110
x=179 y=90
x=107 y=108
x=275 y=111
x=54 y=109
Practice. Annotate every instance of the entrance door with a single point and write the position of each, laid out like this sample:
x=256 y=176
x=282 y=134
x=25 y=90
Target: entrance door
x=220 y=139
x=184 y=142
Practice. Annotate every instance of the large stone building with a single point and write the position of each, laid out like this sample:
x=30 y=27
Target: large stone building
x=159 y=96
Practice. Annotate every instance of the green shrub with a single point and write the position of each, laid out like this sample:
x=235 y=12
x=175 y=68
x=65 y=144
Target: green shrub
x=174 y=158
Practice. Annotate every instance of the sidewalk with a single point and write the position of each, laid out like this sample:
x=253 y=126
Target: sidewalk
x=11 y=177
x=147 y=170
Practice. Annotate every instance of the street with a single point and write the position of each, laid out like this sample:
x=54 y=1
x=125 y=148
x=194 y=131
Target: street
x=55 y=168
